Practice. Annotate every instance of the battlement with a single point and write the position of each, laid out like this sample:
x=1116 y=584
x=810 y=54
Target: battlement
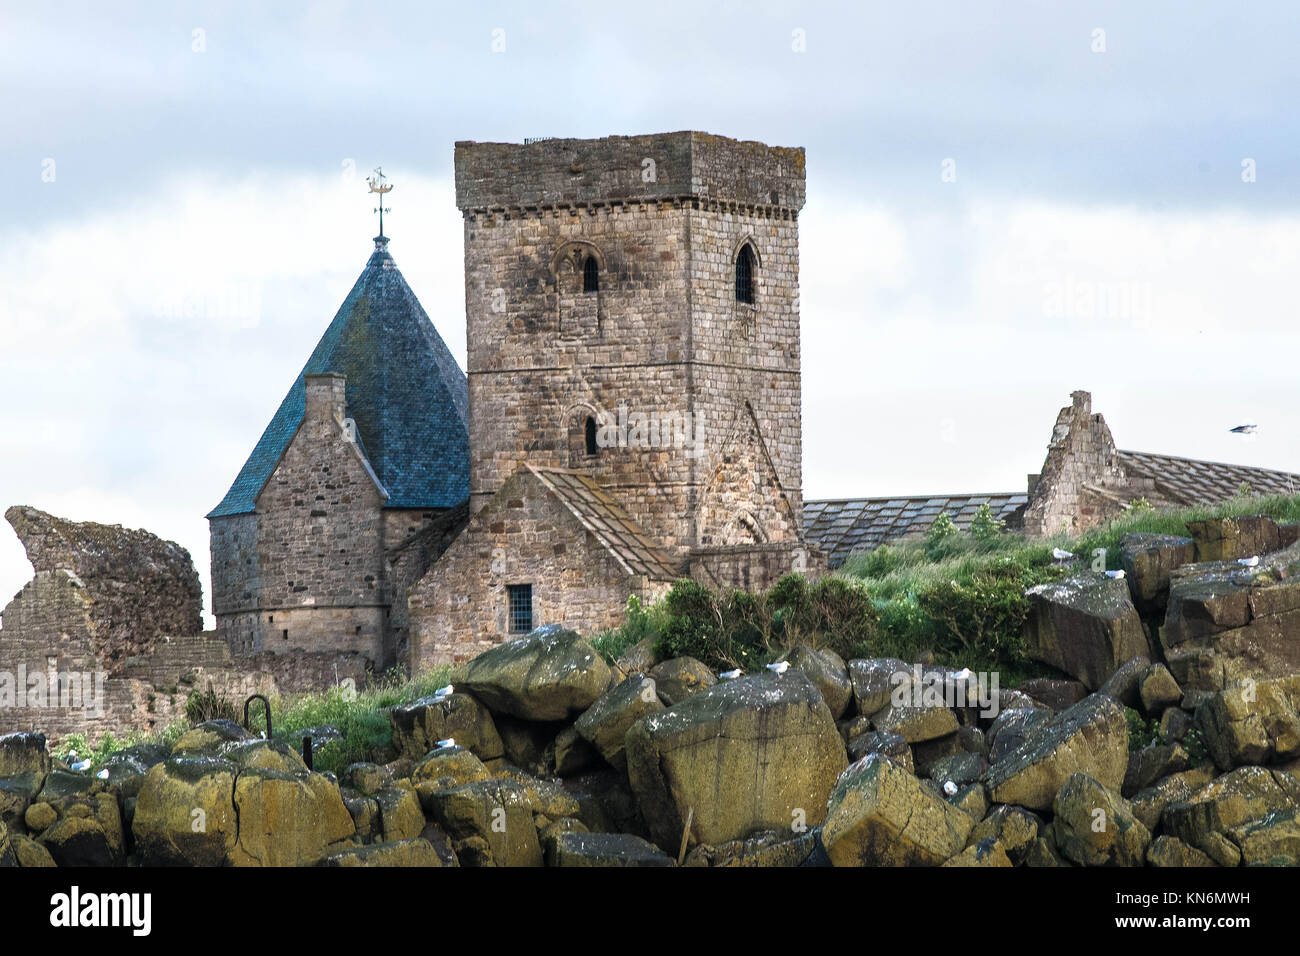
x=651 y=168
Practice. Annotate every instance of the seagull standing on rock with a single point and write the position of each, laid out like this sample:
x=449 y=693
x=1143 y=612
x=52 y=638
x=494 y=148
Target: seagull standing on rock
x=444 y=691
x=1117 y=575
x=779 y=668
x=731 y=674
x=1251 y=562
x=1060 y=554
x=449 y=742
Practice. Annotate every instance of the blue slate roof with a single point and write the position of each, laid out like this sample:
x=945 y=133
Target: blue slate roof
x=407 y=395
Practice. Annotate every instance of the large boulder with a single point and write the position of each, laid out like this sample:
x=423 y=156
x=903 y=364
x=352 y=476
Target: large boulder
x=680 y=677
x=400 y=816
x=1167 y=851
x=1148 y=560
x=875 y=680
x=1085 y=625
x=1272 y=841
x=1094 y=826
x=419 y=725
x=915 y=724
x=24 y=752
x=1091 y=737
x=1226 y=622
x=775 y=734
x=1011 y=727
x=829 y=675
x=286 y=819
x=606 y=722
x=185 y=814
x=490 y=822
x=1253 y=722
x=551 y=674
x=1245 y=795
x=1227 y=539
x=1149 y=804
x=881 y=815
x=87 y=830
x=1014 y=828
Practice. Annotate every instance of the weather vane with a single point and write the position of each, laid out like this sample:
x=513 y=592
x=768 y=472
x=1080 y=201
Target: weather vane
x=378 y=183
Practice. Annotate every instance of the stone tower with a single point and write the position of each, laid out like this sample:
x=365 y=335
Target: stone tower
x=653 y=276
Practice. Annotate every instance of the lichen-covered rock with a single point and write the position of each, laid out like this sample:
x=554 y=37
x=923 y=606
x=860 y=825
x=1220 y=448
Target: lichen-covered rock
x=1095 y=827
x=893 y=746
x=987 y=852
x=771 y=848
x=1272 y=841
x=1158 y=690
x=1085 y=625
x=1245 y=795
x=1014 y=828
x=8 y=858
x=530 y=744
x=207 y=739
x=286 y=819
x=572 y=754
x=185 y=814
x=639 y=658
x=400 y=816
x=419 y=725
x=1253 y=722
x=875 y=679
x=491 y=821
x=551 y=674
x=605 y=849
x=29 y=853
x=915 y=724
x=829 y=675
x=1167 y=851
x=88 y=831
x=449 y=767
x=1154 y=761
x=776 y=735
x=1150 y=803
x=24 y=752
x=369 y=778
x=16 y=794
x=1055 y=695
x=1010 y=728
x=263 y=755
x=1124 y=684
x=881 y=815
x=403 y=853
x=1226 y=539
x=606 y=722
x=681 y=677
x=1147 y=560
x=1091 y=737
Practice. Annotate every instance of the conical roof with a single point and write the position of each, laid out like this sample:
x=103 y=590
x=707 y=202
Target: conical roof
x=407 y=395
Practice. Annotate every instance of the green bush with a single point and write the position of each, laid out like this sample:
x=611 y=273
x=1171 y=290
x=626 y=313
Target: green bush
x=208 y=705
x=943 y=539
x=979 y=623
x=984 y=527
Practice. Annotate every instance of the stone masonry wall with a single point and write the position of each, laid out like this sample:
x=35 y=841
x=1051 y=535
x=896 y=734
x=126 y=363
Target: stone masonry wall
x=523 y=536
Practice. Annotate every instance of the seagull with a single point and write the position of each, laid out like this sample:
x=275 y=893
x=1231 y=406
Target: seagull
x=964 y=674
x=103 y=774
x=950 y=788
x=1247 y=428
x=1115 y=574
x=81 y=765
x=1252 y=561
x=779 y=668
x=449 y=742
x=1061 y=554
x=444 y=691
x=731 y=674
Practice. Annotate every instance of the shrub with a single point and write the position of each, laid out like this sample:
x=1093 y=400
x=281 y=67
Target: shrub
x=943 y=539
x=984 y=527
x=208 y=705
x=980 y=623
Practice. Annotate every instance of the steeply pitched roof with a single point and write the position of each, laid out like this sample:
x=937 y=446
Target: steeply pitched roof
x=407 y=395
x=605 y=518
x=1190 y=482
x=849 y=526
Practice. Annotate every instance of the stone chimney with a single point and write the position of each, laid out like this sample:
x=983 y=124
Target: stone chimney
x=326 y=396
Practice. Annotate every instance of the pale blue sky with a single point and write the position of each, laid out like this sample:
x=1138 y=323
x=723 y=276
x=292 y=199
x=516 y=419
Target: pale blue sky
x=206 y=215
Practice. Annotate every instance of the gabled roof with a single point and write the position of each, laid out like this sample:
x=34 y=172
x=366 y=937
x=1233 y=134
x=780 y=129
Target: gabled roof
x=605 y=518
x=407 y=395
x=1189 y=482
x=847 y=526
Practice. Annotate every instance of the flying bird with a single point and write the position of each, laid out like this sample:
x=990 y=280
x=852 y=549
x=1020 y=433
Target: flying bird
x=730 y=675
x=1245 y=429
x=779 y=668
x=1061 y=554
x=1251 y=562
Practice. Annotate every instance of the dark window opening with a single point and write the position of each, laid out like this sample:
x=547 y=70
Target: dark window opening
x=285 y=632
x=521 y=608
x=745 y=275
x=592 y=447
x=591 y=275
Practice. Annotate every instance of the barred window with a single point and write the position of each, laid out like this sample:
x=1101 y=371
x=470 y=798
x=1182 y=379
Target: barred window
x=591 y=275
x=521 y=608
x=745 y=275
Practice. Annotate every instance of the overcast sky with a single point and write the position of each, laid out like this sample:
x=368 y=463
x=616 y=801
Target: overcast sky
x=1006 y=202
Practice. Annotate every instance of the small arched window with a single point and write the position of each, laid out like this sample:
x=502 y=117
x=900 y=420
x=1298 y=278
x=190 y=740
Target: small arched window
x=591 y=275
x=592 y=447
x=745 y=275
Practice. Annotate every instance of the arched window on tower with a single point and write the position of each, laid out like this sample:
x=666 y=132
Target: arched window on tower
x=591 y=275
x=745 y=275
x=592 y=448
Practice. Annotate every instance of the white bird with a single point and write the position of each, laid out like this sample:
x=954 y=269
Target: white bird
x=1061 y=554
x=964 y=674
x=1115 y=574
x=1246 y=428
x=449 y=742
x=81 y=765
x=730 y=675
x=779 y=668
x=103 y=774
x=444 y=691
x=1252 y=561
x=950 y=788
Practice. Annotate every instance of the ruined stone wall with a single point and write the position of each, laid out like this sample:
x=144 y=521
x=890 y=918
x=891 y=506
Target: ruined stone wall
x=523 y=536
x=236 y=579
x=420 y=538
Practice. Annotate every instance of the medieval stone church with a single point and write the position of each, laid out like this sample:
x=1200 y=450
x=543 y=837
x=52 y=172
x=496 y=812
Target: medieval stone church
x=631 y=413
